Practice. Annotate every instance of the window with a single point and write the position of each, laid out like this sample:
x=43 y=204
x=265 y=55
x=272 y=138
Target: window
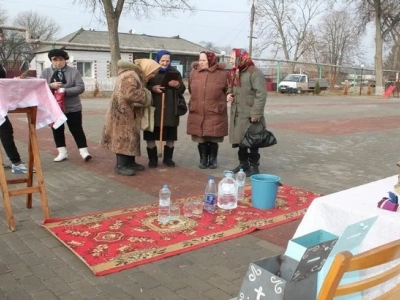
x=40 y=68
x=85 y=68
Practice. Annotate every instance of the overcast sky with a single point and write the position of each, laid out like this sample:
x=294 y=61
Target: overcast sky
x=227 y=28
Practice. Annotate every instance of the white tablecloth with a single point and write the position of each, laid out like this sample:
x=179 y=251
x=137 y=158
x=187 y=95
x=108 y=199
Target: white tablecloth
x=335 y=212
x=21 y=93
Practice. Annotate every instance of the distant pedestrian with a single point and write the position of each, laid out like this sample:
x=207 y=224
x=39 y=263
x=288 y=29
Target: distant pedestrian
x=121 y=133
x=58 y=76
x=247 y=94
x=170 y=117
x=208 y=114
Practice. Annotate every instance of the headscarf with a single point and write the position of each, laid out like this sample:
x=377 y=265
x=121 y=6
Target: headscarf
x=147 y=65
x=158 y=57
x=242 y=62
x=211 y=58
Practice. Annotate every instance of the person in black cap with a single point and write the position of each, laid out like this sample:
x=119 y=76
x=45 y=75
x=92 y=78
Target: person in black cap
x=7 y=135
x=61 y=76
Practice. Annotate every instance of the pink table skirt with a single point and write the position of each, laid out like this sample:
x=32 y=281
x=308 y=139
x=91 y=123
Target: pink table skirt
x=21 y=93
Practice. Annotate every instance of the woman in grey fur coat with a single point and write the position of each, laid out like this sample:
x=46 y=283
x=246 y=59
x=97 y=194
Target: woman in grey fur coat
x=60 y=75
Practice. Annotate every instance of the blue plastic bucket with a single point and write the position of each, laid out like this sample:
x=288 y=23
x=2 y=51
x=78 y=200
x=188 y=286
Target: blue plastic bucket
x=264 y=188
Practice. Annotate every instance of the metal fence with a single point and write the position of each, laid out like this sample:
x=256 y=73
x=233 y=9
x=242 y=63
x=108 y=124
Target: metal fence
x=337 y=76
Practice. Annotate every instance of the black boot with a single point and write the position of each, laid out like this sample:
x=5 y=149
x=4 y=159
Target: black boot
x=123 y=167
x=243 y=161
x=168 y=153
x=132 y=163
x=213 y=154
x=203 y=151
x=153 y=157
x=254 y=160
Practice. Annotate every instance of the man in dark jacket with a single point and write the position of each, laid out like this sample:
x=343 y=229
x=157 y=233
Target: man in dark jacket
x=7 y=134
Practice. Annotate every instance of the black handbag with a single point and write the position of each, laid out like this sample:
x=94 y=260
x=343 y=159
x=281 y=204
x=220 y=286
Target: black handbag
x=181 y=106
x=257 y=136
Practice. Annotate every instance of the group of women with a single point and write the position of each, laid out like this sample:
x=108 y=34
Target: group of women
x=141 y=84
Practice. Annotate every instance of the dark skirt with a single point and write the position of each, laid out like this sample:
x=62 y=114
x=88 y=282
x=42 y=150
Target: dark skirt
x=169 y=134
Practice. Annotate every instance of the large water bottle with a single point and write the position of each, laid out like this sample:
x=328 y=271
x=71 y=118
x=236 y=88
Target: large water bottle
x=240 y=183
x=164 y=204
x=210 y=194
x=227 y=192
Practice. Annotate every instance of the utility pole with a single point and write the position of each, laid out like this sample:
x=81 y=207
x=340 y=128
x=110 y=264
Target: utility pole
x=251 y=37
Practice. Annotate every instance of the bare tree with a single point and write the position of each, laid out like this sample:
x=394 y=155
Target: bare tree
x=336 y=42
x=386 y=15
x=283 y=26
x=210 y=45
x=112 y=10
x=41 y=27
x=14 y=48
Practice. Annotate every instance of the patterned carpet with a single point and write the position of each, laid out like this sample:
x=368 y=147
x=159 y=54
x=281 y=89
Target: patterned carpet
x=112 y=241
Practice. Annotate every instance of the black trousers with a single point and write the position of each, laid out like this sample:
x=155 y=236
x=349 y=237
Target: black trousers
x=7 y=139
x=245 y=150
x=74 y=122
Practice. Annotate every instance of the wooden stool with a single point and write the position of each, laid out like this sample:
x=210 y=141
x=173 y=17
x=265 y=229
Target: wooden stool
x=34 y=160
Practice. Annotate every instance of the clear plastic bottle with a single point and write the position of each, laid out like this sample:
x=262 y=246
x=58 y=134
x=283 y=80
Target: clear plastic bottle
x=210 y=194
x=227 y=192
x=164 y=204
x=240 y=183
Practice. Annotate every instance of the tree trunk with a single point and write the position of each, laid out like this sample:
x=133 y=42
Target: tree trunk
x=112 y=16
x=379 y=88
x=115 y=52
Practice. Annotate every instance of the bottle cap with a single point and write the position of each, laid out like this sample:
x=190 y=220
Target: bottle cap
x=165 y=186
x=211 y=177
x=241 y=170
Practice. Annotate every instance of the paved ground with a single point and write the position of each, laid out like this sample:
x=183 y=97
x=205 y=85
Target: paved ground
x=326 y=144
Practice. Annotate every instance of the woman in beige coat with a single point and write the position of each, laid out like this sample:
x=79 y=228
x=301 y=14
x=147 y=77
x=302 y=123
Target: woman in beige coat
x=208 y=114
x=121 y=133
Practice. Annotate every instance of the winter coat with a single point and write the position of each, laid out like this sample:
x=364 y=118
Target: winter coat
x=208 y=113
x=73 y=88
x=249 y=101
x=171 y=98
x=121 y=133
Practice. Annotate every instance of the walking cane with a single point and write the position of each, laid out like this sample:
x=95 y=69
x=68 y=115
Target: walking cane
x=161 y=125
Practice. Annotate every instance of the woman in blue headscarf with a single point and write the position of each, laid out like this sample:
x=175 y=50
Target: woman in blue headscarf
x=171 y=119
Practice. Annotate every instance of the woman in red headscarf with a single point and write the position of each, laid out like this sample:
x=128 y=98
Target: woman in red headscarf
x=247 y=94
x=208 y=118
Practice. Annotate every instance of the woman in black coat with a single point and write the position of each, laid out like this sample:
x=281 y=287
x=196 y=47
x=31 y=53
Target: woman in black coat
x=171 y=119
